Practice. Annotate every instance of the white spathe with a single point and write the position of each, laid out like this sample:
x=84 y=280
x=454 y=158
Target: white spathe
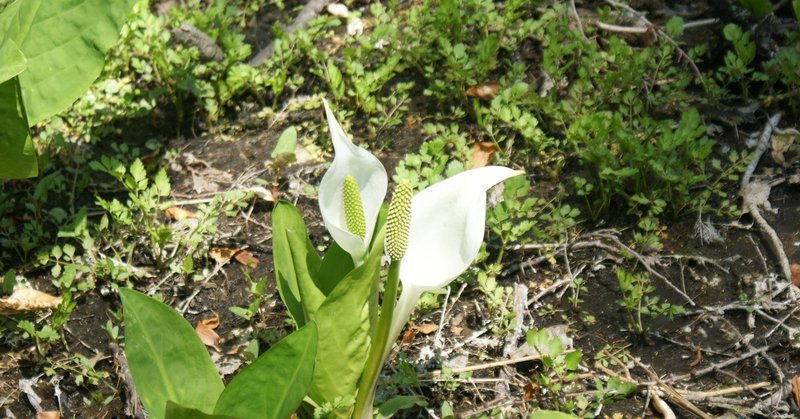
x=372 y=181
x=448 y=220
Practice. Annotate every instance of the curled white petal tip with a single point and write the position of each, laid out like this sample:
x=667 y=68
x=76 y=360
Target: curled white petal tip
x=447 y=226
x=372 y=181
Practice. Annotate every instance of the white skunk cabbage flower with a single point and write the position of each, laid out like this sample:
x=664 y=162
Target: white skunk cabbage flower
x=355 y=173
x=448 y=220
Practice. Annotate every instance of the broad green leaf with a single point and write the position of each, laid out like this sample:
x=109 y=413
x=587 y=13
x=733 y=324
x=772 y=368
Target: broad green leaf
x=275 y=384
x=796 y=7
x=176 y=411
x=286 y=220
x=335 y=265
x=12 y=60
x=550 y=414
x=9 y=281
x=757 y=7
x=392 y=406
x=66 y=47
x=286 y=143
x=17 y=155
x=14 y=24
x=306 y=265
x=166 y=358
x=16 y=19
x=343 y=321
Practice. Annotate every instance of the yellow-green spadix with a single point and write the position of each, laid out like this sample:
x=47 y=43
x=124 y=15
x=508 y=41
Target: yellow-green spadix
x=447 y=226
x=369 y=176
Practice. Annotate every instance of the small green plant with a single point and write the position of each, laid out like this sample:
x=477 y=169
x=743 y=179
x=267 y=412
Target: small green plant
x=139 y=224
x=737 y=63
x=444 y=155
x=558 y=366
x=457 y=44
x=257 y=290
x=514 y=218
x=639 y=303
x=577 y=286
x=656 y=161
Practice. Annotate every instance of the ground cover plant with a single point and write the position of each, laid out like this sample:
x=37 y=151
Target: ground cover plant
x=639 y=255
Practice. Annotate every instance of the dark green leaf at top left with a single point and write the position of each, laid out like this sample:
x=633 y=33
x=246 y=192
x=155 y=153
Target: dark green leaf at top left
x=66 y=50
x=15 y=20
x=17 y=155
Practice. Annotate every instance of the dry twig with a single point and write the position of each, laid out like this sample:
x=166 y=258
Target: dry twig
x=661 y=34
x=756 y=194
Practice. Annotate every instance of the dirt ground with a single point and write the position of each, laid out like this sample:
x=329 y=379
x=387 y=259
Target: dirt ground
x=720 y=344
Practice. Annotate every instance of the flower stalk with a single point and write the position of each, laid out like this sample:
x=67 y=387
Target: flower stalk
x=398 y=223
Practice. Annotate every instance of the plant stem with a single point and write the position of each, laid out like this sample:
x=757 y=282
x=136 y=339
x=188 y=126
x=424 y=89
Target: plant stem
x=366 y=387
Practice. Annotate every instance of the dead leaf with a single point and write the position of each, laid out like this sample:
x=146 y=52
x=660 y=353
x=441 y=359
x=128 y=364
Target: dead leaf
x=411 y=121
x=425 y=329
x=781 y=141
x=482 y=153
x=530 y=391
x=262 y=193
x=205 y=329
x=698 y=358
x=795 y=269
x=50 y=414
x=483 y=91
x=25 y=299
x=247 y=259
x=222 y=254
x=178 y=213
x=796 y=390
x=408 y=335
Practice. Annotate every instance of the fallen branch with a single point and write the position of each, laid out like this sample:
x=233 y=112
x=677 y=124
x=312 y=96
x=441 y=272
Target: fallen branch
x=756 y=194
x=704 y=395
x=720 y=365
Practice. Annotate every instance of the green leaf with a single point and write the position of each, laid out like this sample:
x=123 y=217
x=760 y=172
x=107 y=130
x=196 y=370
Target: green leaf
x=392 y=406
x=66 y=48
x=176 y=411
x=17 y=155
x=15 y=21
x=796 y=7
x=757 y=7
x=286 y=220
x=286 y=143
x=550 y=414
x=335 y=265
x=166 y=358
x=572 y=359
x=273 y=386
x=306 y=265
x=161 y=183
x=674 y=26
x=76 y=227
x=9 y=281
x=12 y=60
x=343 y=321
